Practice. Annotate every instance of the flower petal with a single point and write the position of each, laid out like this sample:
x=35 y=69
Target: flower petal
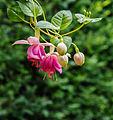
x=20 y=42
x=68 y=55
x=49 y=64
x=55 y=53
x=39 y=50
x=33 y=40
x=47 y=44
x=43 y=61
x=30 y=53
x=35 y=49
x=59 y=70
x=42 y=50
x=56 y=64
x=47 y=61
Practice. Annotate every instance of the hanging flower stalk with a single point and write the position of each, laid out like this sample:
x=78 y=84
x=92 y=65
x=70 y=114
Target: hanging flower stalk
x=54 y=60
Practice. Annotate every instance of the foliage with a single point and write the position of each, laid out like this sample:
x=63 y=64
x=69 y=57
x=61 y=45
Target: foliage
x=45 y=24
x=27 y=8
x=83 y=18
x=62 y=19
x=82 y=93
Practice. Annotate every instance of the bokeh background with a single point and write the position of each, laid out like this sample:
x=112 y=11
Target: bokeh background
x=81 y=93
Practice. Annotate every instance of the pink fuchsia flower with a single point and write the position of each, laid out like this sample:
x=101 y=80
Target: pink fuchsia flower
x=49 y=64
x=36 y=51
x=35 y=54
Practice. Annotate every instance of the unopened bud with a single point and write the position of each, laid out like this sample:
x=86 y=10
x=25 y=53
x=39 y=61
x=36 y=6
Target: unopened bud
x=79 y=58
x=61 y=48
x=63 y=60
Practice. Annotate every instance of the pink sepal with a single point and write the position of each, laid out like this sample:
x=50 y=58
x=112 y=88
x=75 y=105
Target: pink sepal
x=47 y=44
x=20 y=42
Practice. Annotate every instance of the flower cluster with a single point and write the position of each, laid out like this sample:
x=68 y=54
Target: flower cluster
x=51 y=61
x=38 y=57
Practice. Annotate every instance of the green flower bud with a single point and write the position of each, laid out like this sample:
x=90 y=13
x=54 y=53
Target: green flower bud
x=61 y=48
x=79 y=58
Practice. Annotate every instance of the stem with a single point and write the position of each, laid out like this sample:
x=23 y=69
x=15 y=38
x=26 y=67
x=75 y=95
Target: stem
x=76 y=48
x=41 y=9
x=60 y=37
x=46 y=33
x=37 y=33
x=52 y=49
x=32 y=27
x=24 y=20
x=31 y=19
x=52 y=32
x=43 y=39
x=55 y=32
x=35 y=20
x=74 y=30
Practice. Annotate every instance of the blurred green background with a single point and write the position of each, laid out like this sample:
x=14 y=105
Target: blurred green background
x=81 y=93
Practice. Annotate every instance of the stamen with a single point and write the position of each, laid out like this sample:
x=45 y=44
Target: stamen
x=35 y=62
x=49 y=76
x=56 y=77
x=32 y=64
x=53 y=77
x=44 y=76
x=37 y=65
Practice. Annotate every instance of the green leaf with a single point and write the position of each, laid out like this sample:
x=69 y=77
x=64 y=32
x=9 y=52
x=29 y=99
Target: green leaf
x=45 y=24
x=94 y=19
x=62 y=19
x=27 y=111
x=67 y=40
x=83 y=18
x=80 y=17
x=27 y=8
x=15 y=14
x=55 y=41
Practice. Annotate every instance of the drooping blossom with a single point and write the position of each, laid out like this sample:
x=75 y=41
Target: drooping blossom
x=79 y=58
x=36 y=51
x=50 y=64
x=61 y=48
x=63 y=60
x=35 y=54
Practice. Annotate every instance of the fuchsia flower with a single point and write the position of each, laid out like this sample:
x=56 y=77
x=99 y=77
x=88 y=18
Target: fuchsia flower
x=36 y=51
x=49 y=64
x=36 y=54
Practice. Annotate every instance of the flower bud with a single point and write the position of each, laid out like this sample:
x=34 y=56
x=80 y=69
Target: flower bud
x=61 y=48
x=63 y=60
x=79 y=58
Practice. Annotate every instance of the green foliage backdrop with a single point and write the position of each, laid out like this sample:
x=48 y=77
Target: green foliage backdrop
x=82 y=93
